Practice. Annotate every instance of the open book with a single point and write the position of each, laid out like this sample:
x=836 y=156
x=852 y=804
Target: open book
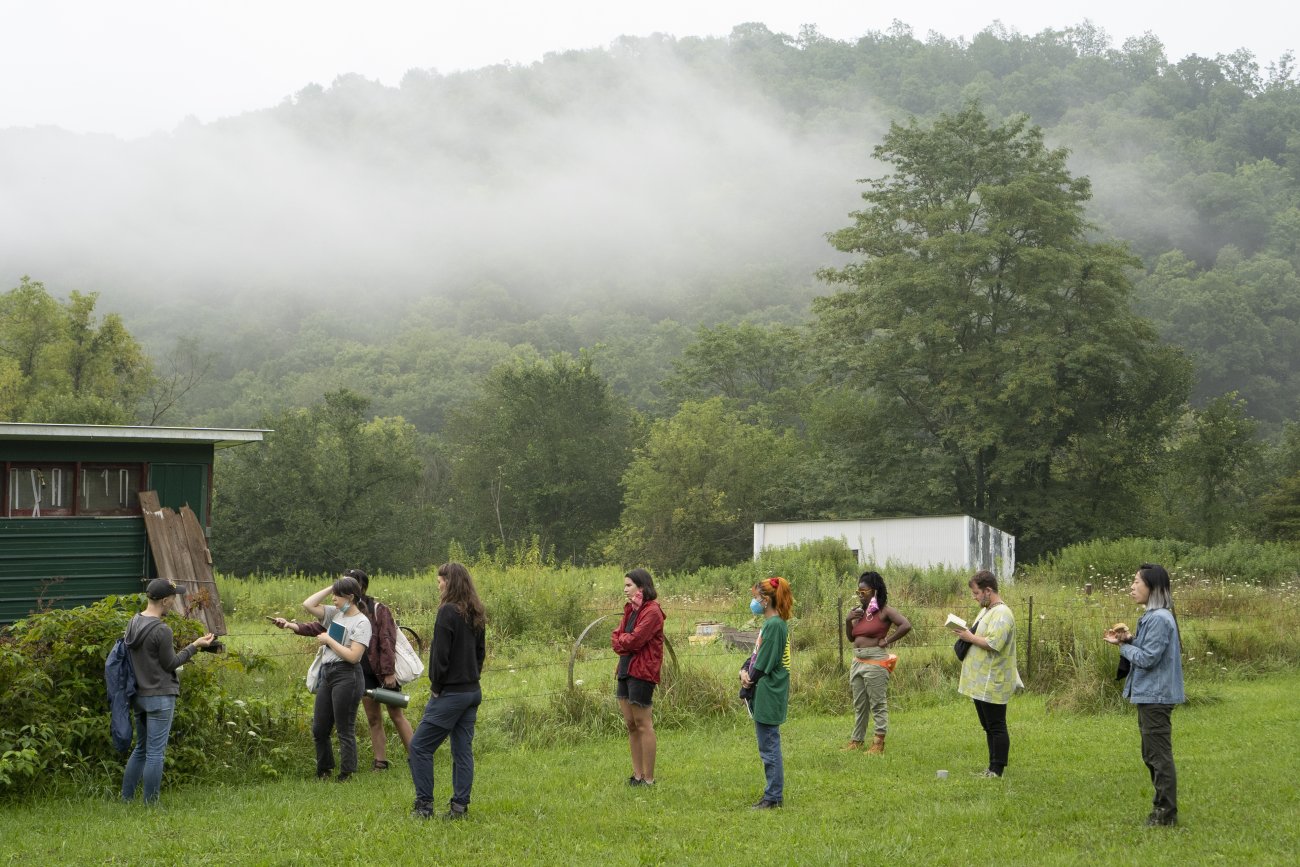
x=954 y=620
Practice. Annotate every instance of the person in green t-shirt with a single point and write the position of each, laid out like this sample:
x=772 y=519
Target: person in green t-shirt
x=768 y=672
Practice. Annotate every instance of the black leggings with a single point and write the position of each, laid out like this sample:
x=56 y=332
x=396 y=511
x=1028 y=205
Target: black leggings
x=993 y=718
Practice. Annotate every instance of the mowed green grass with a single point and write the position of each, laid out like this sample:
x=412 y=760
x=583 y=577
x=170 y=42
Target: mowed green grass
x=1076 y=793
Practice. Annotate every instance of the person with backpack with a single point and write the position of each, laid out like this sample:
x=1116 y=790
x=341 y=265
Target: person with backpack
x=377 y=668
x=150 y=643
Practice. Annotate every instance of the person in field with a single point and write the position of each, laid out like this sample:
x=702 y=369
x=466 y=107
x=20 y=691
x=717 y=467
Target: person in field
x=639 y=643
x=872 y=627
x=767 y=674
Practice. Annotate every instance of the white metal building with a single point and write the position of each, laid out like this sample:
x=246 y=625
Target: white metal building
x=956 y=541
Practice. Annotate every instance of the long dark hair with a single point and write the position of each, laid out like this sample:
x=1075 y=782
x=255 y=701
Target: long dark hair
x=460 y=592
x=873 y=581
x=364 y=580
x=1156 y=577
x=349 y=586
x=641 y=578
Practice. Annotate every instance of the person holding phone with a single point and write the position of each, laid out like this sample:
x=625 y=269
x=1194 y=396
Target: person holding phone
x=872 y=627
x=639 y=643
x=344 y=639
x=377 y=668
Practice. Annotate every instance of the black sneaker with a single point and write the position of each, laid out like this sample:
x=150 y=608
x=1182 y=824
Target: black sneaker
x=422 y=810
x=765 y=804
x=456 y=811
x=325 y=775
x=634 y=780
x=344 y=777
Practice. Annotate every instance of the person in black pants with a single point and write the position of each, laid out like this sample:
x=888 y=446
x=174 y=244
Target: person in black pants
x=455 y=664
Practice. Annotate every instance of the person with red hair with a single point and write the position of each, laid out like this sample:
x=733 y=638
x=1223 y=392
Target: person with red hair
x=767 y=673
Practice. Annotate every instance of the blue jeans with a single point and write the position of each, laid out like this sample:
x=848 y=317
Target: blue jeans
x=153 y=725
x=454 y=714
x=769 y=750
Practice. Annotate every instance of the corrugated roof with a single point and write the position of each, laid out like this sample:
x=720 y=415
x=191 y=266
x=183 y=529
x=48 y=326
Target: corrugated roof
x=218 y=437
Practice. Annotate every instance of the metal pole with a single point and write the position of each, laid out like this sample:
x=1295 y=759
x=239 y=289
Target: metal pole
x=1029 y=661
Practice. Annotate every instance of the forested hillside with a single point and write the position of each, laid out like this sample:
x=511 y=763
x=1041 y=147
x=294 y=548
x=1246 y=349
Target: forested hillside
x=504 y=274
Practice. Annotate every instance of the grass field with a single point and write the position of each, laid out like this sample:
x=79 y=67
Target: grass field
x=1076 y=793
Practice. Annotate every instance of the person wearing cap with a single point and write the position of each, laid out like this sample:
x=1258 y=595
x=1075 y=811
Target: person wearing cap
x=155 y=660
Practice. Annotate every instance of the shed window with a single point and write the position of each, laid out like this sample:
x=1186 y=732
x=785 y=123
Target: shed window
x=109 y=489
x=59 y=490
x=41 y=489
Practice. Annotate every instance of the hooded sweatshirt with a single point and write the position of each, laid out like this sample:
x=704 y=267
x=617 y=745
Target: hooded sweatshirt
x=151 y=644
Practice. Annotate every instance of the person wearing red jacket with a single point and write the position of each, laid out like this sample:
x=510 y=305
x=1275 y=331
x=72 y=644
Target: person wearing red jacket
x=639 y=643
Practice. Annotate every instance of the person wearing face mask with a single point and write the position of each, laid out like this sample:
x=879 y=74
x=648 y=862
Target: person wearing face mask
x=1152 y=667
x=377 y=667
x=341 y=685
x=768 y=674
x=872 y=627
x=988 y=673
x=639 y=643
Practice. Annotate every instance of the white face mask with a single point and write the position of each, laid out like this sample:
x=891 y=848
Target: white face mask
x=343 y=609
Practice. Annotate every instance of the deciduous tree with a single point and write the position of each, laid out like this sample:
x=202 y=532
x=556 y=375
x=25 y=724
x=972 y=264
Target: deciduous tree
x=999 y=330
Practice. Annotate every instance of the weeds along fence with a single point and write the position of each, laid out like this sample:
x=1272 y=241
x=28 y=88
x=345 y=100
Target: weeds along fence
x=247 y=711
x=538 y=686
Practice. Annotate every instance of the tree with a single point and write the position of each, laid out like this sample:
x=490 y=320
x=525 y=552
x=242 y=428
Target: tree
x=1212 y=453
x=998 y=331
x=540 y=454
x=329 y=489
x=746 y=363
x=60 y=363
x=697 y=486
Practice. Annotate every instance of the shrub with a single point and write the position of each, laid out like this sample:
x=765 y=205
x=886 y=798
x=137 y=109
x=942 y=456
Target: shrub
x=56 y=718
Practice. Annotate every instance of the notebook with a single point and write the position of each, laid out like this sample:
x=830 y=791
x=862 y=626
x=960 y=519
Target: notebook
x=337 y=631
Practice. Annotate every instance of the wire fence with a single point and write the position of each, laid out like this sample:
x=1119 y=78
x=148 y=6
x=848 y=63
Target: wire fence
x=699 y=635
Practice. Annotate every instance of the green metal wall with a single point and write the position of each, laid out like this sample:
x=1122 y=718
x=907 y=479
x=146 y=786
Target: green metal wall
x=65 y=562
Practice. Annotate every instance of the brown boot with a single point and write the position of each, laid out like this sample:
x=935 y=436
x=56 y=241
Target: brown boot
x=851 y=745
x=877 y=745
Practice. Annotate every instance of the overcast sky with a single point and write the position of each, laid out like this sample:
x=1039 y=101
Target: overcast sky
x=131 y=67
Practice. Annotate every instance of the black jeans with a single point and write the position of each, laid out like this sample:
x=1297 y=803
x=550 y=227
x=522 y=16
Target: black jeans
x=1158 y=755
x=337 y=698
x=993 y=719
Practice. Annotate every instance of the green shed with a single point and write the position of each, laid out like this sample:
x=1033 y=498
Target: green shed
x=71 y=531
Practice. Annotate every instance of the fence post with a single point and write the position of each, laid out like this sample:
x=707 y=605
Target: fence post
x=1029 y=661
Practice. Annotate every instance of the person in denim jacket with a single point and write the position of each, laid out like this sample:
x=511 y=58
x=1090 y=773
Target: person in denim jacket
x=1153 y=664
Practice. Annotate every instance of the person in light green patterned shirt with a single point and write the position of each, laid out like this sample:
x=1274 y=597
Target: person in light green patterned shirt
x=988 y=673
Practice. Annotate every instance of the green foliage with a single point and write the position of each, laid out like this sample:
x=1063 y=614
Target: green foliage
x=697 y=486
x=329 y=489
x=540 y=454
x=1000 y=334
x=54 y=723
x=1264 y=564
x=59 y=363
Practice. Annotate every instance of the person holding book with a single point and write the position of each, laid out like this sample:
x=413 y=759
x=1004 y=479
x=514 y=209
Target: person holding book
x=769 y=677
x=344 y=639
x=872 y=627
x=639 y=643
x=1152 y=667
x=455 y=665
x=988 y=672
x=377 y=668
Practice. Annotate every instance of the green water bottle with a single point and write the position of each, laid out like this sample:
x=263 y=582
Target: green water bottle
x=393 y=697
